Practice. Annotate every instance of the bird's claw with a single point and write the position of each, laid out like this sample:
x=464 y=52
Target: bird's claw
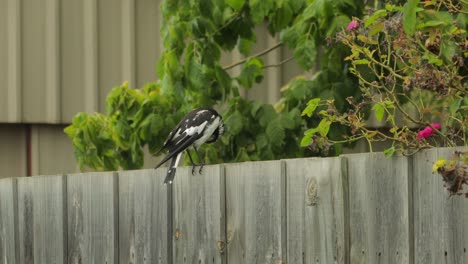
x=199 y=170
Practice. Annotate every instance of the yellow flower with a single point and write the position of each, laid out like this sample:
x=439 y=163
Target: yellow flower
x=440 y=163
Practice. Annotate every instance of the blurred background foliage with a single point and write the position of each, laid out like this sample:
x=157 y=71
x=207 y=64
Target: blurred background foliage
x=337 y=85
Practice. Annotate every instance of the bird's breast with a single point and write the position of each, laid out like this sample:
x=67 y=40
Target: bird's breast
x=209 y=130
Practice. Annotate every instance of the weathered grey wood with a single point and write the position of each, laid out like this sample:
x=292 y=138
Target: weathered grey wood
x=42 y=219
x=315 y=211
x=8 y=229
x=256 y=212
x=440 y=221
x=92 y=218
x=199 y=215
x=142 y=217
x=379 y=209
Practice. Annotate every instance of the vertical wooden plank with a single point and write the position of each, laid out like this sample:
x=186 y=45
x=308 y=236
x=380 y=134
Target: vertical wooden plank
x=109 y=48
x=33 y=70
x=4 y=13
x=72 y=58
x=128 y=41
x=52 y=63
x=315 y=211
x=256 y=212
x=440 y=221
x=379 y=208
x=8 y=222
x=90 y=60
x=42 y=220
x=148 y=43
x=14 y=84
x=142 y=218
x=92 y=203
x=199 y=215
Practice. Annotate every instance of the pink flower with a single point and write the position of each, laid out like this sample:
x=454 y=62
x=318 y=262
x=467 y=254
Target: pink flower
x=427 y=131
x=352 y=25
x=436 y=126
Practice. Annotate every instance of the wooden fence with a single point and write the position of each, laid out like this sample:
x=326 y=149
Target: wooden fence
x=360 y=208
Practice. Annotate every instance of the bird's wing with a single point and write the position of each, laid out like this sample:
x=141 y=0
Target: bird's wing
x=182 y=144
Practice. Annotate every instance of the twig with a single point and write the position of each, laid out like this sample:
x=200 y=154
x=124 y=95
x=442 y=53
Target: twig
x=277 y=45
x=278 y=64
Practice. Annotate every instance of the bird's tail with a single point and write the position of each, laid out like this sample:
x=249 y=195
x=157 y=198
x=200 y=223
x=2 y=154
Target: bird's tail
x=172 y=169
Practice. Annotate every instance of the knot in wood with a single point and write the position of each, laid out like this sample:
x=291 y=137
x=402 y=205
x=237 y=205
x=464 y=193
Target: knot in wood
x=311 y=192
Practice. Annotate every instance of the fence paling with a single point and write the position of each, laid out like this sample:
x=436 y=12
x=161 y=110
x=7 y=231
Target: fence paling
x=360 y=208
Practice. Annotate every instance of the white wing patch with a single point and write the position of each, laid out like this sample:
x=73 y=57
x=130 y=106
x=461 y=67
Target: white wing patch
x=196 y=129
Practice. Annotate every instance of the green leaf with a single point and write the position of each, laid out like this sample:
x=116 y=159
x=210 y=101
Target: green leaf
x=251 y=73
x=376 y=28
x=311 y=106
x=296 y=5
x=409 y=17
x=260 y=9
x=156 y=124
x=379 y=110
x=377 y=14
x=338 y=24
x=431 y=23
x=306 y=140
x=234 y=123
x=455 y=106
x=305 y=53
x=433 y=59
x=389 y=152
x=361 y=62
x=286 y=121
x=245 y=46
x=323 y=127
x=261 y=141
x=266 y=114
x=275 y=133
x=256 y=105
x=236 y=4
x=316 y=8
x=281 y=18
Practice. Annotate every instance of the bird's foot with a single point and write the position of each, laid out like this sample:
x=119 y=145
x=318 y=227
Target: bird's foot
x=199 y=170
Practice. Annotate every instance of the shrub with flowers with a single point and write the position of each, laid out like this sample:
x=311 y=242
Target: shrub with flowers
x=411 y=65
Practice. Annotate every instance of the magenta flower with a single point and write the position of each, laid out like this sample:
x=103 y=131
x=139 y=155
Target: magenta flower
x=352 y=25
x=427 y=131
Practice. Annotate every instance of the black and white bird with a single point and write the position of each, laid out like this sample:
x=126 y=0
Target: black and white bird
x=200 y=126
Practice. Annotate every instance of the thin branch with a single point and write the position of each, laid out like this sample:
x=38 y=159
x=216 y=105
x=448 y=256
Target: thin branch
x=278 y=64
x=277 y=45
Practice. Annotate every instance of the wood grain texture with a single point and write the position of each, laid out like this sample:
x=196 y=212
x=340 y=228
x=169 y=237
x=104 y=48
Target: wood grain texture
x=315 y=204
x=379 y=208
x=9 y=250
x=199 y=215
x=42 y=219
x=142 y=217
x=256 y=212
x=92 y=205
x=440 y=221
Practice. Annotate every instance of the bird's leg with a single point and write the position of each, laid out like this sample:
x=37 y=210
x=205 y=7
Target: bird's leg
x=201 y=161
x=191 y=160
